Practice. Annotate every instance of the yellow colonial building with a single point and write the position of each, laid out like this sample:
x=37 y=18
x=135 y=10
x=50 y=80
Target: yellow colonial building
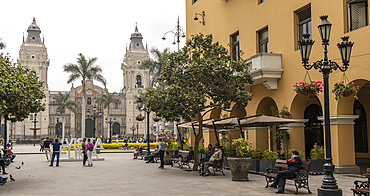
x=264 y=33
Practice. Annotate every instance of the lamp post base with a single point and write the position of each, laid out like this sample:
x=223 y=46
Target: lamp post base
x=329 y=192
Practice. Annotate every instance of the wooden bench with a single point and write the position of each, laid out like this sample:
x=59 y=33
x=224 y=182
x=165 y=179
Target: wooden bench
x=218 y=167
x=300 y=181
x=183 y=158
x=362 y=187
x=142 y=153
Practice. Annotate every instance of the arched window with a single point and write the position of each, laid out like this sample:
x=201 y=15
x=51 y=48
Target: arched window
x=89 y=101
x=138 y=81
x=116 y=106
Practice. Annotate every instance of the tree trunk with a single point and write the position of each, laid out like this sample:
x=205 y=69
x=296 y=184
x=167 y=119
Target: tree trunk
x=83 y=109
x=83 y=117
x=63 y=133
x=197 y=140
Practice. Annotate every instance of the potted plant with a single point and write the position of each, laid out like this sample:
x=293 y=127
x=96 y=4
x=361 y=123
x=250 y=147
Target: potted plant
x=156 y=118
x=239 y=164
x=140 y=117
x=168 y=137
x=268 y=160
x=311 y=88
x=229 y=151
x=255 y=163
x=342 y=90
x=201 y=151
x=317 y=159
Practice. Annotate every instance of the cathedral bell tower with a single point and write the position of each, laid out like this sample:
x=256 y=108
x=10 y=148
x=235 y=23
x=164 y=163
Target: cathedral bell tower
x=135 y=81
x=33 y=55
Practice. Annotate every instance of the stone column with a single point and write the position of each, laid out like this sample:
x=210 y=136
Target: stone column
x=343 y=143
x=259 y=137
x=296 y=134
x=209 y=137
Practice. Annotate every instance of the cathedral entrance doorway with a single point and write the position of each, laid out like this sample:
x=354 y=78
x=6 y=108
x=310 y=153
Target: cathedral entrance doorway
x=89 y=128
x=116 y=129
x=58 y=129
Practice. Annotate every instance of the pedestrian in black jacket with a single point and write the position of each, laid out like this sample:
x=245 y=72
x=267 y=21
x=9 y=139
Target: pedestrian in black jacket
x=294 y=165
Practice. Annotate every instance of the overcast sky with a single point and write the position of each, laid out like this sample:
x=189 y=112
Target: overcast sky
x=95 y=28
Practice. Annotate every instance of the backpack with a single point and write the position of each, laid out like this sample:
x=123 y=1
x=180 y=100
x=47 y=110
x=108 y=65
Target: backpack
x=91 y=148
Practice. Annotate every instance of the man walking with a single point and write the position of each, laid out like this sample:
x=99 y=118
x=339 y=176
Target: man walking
x=294 y=165
x=161 y=149
x=47 y=147
x=56 y=149
x=83 y=152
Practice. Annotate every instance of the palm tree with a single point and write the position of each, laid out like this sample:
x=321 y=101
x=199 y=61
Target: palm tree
x=155 y=65
x=84 y=69
x=62 y=102
x=106 y=99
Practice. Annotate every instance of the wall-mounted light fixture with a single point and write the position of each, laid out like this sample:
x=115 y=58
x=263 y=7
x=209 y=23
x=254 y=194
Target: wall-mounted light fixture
x=203 y=15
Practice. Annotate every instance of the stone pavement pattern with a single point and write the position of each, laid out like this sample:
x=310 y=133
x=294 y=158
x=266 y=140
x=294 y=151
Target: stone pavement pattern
x=119 y=174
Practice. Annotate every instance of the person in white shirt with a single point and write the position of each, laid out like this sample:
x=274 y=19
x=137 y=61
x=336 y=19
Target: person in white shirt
x=161 y=149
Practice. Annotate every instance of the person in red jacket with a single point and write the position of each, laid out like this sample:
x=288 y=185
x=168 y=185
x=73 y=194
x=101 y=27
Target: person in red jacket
x=294 y=165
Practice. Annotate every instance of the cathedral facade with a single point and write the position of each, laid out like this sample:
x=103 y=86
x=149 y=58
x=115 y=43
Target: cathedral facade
x=120 y=119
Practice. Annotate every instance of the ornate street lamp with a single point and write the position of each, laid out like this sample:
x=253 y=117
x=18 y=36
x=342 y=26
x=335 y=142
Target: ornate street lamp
x=95 y=115
x=329 y=184
x=133 y=131
x=110 y=122
x=178 y=32
x=141 y=108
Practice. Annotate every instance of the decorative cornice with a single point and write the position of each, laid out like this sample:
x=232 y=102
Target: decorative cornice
x=340 y=119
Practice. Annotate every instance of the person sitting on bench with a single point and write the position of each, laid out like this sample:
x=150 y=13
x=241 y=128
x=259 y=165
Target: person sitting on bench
x=294 y=165
x=217 y=156
x=10 y=153
x=208 y=154
x=138 y=149
x=153 y=155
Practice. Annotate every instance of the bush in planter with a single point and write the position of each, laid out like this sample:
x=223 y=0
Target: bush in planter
x=317 y=152
x=201 y=149
x=229 y=151
x=288 y=154
x=242 y=147
x=270 y=155
x=255 y=154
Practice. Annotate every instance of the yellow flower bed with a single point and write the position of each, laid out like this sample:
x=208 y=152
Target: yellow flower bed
x=118 y=145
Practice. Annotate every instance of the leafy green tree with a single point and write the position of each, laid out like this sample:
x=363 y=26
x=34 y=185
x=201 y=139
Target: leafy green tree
x=62 y=102
x=20 y=91
x=2 y=44
x=155 y=64
x=201 y=77
x=106 y=99
x=85 y=70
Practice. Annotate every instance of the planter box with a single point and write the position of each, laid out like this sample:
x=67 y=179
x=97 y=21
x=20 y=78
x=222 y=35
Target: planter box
x=255 y=166
x=317 y=166
x=225 y=163
x=239 y=168
x=265 y=164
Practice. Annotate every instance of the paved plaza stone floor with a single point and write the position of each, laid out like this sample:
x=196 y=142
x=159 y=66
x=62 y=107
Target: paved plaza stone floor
x=119 y=174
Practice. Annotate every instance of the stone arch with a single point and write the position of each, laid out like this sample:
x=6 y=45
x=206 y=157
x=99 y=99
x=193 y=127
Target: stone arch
x=215 y=114
x=267 y=106
x=297 y=107
x=345 y=105
x=239 y=113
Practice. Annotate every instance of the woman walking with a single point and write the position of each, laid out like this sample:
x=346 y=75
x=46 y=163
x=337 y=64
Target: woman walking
x=89 y=151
